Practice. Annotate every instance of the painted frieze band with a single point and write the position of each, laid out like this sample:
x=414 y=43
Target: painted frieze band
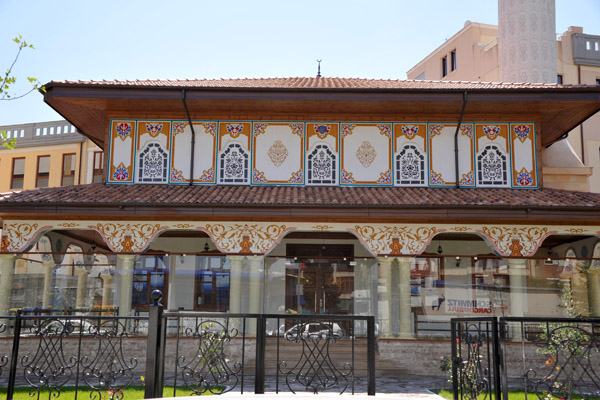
x=261 y=237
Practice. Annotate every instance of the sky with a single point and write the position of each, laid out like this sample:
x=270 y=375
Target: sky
x=176 y=39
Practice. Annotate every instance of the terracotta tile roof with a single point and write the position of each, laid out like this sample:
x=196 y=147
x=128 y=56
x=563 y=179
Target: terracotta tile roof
x=248 y=196
x=314 y=83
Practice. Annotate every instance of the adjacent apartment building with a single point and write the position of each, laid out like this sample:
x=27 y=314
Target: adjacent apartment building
x=474 y=54
x=48 y=154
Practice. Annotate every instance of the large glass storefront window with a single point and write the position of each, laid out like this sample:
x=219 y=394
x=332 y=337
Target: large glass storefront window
x=411 y=297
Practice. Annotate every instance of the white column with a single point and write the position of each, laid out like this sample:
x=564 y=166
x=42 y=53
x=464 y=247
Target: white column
x=257 y=268
x=6 y=281
x=82 y=275
x=518 y=292
x=48 y=265
x=125 y=266
x=172 y=297
x=107 y=286
x=385 y=295
x=235 y=284
x=405 y=306
x=593 y=289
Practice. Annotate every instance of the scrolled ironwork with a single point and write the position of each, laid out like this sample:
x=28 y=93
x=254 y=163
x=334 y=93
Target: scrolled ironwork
x=315 y=371
x=108 y=371
x=569 y=368
x=3 y=358
x=49 y=367
x=210 y=370
x=473 y=376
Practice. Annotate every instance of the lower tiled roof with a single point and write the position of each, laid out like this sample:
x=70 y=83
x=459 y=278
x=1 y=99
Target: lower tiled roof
x=321 y=196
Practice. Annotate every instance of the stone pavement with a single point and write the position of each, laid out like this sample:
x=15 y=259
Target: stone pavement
x=388 y=388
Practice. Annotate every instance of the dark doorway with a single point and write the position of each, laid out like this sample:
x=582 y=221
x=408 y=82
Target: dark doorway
x=321 y=279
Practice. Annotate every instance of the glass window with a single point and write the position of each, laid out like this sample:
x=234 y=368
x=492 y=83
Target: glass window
x=492 y=167
x=453 y=60
x=410 y=166
x=43 y=171
x=444 y=66
x=68 y=170
x=18 y=173
x=153 y=164
x=150 y=273
x=559 y=79
x=234 y=165
x=212 y=285
x=321 y=166
x=98 y=167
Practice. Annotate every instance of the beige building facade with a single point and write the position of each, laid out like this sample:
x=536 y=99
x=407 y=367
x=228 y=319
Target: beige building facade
x=48 y=154
x=472 y=54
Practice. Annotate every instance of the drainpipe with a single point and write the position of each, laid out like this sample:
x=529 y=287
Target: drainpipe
x=183 y=93
x=581 y=126
x=80 y=162
x=462 y=112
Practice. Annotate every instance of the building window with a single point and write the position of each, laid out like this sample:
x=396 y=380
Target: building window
x=212 y=284
x=321 y=166
x=410 y=166
x=18 y=173
x=233 y=166
x=68 y=170
x=453 y=60
x=98 y=167
x=491 y=167
x=444 y=66
x=43 y=171
x=153 y=162
x=150 y=273
x=559 y=79
x=597 y=81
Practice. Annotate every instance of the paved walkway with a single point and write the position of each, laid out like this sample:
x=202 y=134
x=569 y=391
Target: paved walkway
x=388 y=388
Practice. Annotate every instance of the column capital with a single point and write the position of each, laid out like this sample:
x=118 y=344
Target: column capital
x=516 y=263
x=235 y=258
x=126 y=257
x=8 y=257
x=385 y=260
x=405 y=260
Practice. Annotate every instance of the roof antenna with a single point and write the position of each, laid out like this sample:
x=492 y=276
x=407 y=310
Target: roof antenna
x=319 y=70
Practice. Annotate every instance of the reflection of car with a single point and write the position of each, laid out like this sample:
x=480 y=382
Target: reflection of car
x=315 y=330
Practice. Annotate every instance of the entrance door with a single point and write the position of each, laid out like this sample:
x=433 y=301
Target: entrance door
x=321 y=280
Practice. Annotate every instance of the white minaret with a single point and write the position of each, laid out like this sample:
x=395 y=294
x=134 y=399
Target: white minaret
x=527 y=41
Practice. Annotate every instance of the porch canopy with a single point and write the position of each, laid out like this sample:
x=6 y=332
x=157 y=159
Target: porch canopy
x=89 y=104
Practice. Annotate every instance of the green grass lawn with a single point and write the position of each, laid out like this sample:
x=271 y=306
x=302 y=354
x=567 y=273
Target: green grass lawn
x=68 y=393
x=512 y=395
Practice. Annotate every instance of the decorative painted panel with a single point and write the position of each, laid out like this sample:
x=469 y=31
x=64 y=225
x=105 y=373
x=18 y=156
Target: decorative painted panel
x=233 y=161
x=410 y=154
x=152 y=152
x=366 y=154
x=524 y=169
x=204 y=152
x=442 y=170
x=322 y=155
x=277 y=153
x=122 y=139
x=492 y=155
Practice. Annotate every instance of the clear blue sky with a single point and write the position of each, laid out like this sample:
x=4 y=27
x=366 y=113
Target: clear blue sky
x=107 y=39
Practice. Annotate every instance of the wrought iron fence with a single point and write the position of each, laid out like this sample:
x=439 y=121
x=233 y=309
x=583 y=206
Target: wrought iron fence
x=88 y=353
x=99 y=357
x=543 y=357
x=475 y=358
x=219 y=353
